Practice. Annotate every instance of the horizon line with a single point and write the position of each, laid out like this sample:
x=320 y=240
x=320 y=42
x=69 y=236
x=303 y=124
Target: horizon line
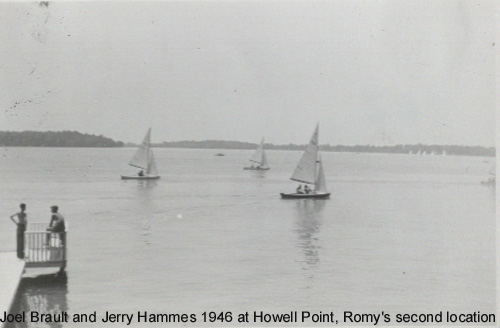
x=253 y=143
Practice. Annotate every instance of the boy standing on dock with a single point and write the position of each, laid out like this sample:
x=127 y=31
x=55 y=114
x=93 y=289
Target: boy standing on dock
x=56 y=223
x=21 y=228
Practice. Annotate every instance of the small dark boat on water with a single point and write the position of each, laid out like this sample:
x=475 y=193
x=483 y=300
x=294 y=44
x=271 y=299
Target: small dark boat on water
x=313 y=195
x=139 y=177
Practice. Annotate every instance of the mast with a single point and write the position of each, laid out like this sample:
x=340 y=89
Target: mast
x=141 y=157
x=306 y=168
x=257 y=155
x=320 y=184
x=152 y=165
x=264 y=163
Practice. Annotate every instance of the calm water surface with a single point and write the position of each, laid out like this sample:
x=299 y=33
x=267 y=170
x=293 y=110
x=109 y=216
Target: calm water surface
x=401 y=233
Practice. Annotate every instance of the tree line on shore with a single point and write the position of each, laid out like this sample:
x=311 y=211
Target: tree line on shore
x=77 y=139
x=55 y=139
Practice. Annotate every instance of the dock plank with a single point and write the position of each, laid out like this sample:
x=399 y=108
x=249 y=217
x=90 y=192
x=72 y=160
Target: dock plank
x=11 y=270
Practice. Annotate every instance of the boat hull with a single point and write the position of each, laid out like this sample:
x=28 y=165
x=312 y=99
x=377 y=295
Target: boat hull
x=301 y=196
x=136 y=177
x=256 y=168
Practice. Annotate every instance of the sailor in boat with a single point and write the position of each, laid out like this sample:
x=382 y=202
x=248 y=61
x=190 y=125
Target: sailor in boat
x=299 y=189
x=307 y=190
x=141 y=173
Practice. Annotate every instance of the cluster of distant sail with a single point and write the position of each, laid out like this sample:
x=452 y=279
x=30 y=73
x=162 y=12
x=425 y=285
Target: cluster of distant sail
x=424 y=153
x=309 y=170
x=491 y=180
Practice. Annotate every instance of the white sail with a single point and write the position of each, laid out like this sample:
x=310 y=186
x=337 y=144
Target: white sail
x=306 y=168
x=257 y=156
x=152 y=165
x=320 y=185
x=263 y=163
x=141 y=157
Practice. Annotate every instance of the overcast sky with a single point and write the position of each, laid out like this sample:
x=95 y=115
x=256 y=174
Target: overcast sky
x=371 y=72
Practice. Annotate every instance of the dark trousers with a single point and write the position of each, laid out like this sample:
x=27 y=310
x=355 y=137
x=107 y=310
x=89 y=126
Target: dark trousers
x=21 y=228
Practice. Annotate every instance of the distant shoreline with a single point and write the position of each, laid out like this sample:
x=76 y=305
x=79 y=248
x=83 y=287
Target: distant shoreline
x=423 y=150
x=74 y=139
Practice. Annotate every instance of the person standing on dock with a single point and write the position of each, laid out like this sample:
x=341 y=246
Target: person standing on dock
x=21 y=228
x=56 y=224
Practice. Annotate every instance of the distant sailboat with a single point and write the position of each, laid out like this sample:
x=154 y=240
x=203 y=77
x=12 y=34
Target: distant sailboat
x=309 y=170
x=259 y=158
x=491 y=181
x=145 y=160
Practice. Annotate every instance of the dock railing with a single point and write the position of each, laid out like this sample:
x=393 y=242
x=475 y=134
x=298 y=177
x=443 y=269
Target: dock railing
x=44 y=248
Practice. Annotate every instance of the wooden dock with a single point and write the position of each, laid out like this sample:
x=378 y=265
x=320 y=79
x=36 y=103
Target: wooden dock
x=11 y=272
x=42 y=249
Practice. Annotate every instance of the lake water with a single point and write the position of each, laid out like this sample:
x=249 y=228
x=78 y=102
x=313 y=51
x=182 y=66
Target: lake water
x=400 y=234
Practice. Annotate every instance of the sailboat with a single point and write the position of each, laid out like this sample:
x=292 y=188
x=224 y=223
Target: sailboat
x=309 y=170
x=145 y=160
x=259 y=158
x=491 y=181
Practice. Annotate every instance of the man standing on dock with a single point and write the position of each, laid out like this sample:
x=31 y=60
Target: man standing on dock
x=56 y=223
x=21 y=228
